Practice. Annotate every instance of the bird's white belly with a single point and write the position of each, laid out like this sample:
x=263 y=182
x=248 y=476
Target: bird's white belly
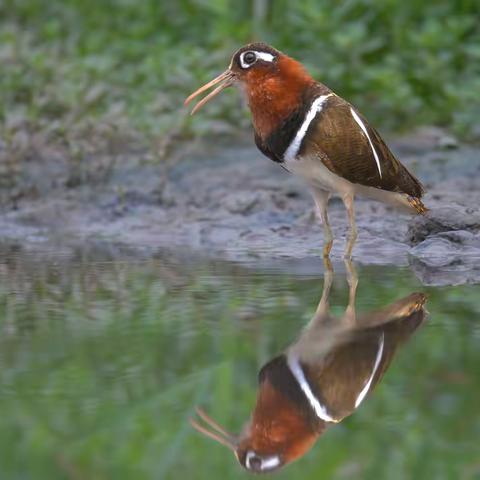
x=316 y=174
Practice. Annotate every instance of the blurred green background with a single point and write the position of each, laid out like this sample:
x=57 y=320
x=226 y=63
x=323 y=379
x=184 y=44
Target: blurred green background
x=128 y=63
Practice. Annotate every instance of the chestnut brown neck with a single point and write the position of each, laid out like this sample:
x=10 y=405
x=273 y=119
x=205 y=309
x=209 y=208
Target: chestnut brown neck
x=278 y=427
x=273 y=96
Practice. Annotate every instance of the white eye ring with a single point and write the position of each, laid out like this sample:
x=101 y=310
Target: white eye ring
x=243 y=61
x=266 y=57
x=245 y=64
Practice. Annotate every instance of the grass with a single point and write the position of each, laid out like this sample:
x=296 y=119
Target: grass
x=126 y=66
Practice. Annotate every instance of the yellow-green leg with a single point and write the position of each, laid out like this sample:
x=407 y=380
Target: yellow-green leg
x=348 y=202
x=323 y=306
x=321 y=198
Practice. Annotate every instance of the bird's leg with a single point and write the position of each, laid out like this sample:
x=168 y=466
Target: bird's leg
x=323 y=305
x=352 y=279
x=348 y=199
x=323 y=309
x=321 y=198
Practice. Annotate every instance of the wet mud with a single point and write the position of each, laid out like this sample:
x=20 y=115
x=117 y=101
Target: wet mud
x=228 y=201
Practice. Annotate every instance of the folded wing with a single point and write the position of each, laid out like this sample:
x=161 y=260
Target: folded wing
x=349 y=147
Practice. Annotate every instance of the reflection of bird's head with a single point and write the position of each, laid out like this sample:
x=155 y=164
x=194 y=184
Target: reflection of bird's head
x=281 y=429
x=278 y=433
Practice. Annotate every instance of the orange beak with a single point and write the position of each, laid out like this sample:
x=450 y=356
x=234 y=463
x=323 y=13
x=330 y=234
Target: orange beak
x=225 y=80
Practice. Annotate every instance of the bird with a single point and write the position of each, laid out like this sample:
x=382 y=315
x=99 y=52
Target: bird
x=318 y=381
x=314 y=133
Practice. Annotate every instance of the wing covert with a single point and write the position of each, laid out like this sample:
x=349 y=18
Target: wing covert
x=354 y=150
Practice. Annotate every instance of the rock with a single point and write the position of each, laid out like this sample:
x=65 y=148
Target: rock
x=445 y=249
x=448 y=258
x=447 y=142
x=459 y=273
x=444 y=219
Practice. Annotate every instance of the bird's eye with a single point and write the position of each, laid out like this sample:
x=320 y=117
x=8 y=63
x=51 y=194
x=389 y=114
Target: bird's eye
x=249 y=58
x=255 y=463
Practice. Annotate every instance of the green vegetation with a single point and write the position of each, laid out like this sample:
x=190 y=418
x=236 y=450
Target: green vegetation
x=74 y=66
x=102 y=362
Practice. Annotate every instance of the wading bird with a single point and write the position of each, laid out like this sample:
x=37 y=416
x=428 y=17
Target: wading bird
x=318 y=381
x=312 y=132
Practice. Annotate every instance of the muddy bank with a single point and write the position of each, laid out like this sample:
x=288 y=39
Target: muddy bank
x=231 y=202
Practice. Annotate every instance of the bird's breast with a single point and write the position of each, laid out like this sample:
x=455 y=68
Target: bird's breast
x=312 y=169
x=292 y=125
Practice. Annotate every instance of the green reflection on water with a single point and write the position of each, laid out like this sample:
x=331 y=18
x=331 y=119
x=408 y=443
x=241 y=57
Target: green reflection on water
x=102 y=362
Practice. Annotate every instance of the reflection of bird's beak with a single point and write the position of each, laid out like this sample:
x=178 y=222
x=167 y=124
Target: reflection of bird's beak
x=213 y=430
x=225 y=80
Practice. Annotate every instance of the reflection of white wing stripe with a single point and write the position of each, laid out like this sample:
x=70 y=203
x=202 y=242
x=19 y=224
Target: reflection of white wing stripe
x=374 y=371
x=317 y=105
x=297 y=371
x=364 y=130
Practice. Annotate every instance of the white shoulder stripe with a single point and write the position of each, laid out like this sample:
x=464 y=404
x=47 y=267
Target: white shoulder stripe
x=296 y=369
x=365 y=389
x=364 y=130
x=317 y=105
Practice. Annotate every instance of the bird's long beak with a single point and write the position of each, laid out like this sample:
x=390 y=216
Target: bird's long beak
x=213 y=430
x=225 y=80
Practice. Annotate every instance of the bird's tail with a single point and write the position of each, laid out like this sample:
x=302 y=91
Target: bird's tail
x=404 y=201
x=417 y=205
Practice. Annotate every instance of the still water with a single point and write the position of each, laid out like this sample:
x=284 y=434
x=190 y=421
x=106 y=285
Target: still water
x=104 y=357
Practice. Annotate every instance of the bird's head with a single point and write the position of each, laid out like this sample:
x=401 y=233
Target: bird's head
x=270 y=79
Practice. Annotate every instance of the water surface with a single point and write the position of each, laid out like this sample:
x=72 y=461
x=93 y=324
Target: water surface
x=103 y=358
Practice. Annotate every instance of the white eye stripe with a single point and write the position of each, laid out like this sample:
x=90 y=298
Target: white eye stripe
x=266 y=57
x=270 y=463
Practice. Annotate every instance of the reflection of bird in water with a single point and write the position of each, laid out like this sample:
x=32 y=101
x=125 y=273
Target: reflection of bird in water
x=320 y=379
x=315 y=134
